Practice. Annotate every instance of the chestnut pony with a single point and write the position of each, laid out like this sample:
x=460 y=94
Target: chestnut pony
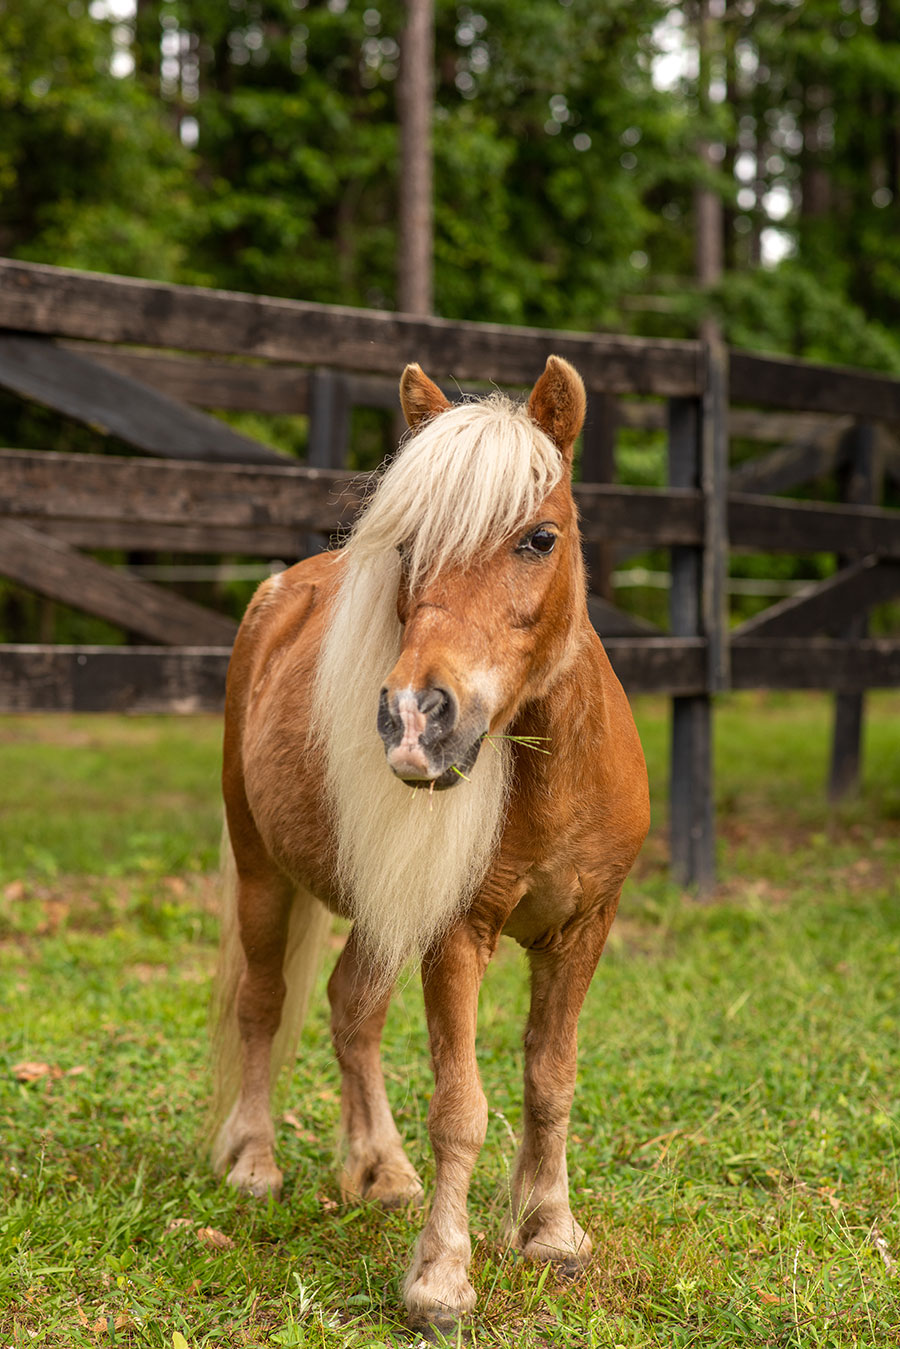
x=455 y=615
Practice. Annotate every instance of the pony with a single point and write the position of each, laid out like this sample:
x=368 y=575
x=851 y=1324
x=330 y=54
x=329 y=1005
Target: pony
x=385 y=704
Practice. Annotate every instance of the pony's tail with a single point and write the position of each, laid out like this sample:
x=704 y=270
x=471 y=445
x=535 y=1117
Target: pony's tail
x=308 y=929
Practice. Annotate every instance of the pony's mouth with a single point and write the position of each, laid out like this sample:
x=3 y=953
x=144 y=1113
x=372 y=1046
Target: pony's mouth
x=448 y=777
x=441 y=784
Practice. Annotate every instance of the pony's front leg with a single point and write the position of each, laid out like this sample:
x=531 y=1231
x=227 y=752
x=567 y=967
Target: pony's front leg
x=375 y=1167
x=543 y=1225
x=437 y=1289
x=246 y=1141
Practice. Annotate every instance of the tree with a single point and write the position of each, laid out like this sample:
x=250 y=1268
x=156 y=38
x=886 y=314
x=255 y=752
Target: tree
x=90 y=174
x=816 y=151
x=415 y=245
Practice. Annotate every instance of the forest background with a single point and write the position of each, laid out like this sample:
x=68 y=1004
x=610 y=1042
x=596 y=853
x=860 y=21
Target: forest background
x=253 y=144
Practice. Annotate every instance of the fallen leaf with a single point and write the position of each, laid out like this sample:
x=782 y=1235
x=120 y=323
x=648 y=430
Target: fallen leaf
x=147 y=974
x=30 y=1072
x=214 y=1239
x=176 y=1223
x=767 y=1297
x=14 y=891
x=659 y=1138
x=329 y=1205
x=881 y=1247
x=81 y=1316
x=56 y=911
x=307 y=1135
x=77 y=1071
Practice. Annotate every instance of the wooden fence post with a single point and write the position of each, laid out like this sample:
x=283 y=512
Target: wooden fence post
x=329 y=420
x=714 y=482
x=691 y=816
x=329 y=431
x=598 y=464
x=860 y=481
x=698 y=457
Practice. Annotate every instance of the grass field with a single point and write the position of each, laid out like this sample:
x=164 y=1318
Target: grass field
x=734 y=1145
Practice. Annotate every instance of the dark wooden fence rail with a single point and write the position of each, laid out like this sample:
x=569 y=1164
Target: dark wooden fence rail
x=140 y=360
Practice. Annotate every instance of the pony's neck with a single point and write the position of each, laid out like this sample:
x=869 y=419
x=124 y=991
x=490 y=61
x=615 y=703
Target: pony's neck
x=561 y=713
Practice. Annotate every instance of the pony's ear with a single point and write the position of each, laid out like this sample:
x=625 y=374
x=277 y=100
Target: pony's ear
x=420 y=397
x=558 y=403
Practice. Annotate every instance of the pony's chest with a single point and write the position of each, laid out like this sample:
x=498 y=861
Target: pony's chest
x=552 y=899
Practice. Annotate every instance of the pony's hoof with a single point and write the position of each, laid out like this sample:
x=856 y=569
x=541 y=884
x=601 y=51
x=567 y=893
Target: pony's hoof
x=391 y=1184
x=442 y=1329
x=438 y=1298
x=565 y=1245
x=391 y=1190
x=410 y=1200
x=257 y=1178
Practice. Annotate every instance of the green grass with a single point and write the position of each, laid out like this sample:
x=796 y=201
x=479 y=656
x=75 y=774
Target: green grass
x=108 y=796
x=734 y=1139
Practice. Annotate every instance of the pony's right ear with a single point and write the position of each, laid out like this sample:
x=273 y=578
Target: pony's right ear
x=420 y=397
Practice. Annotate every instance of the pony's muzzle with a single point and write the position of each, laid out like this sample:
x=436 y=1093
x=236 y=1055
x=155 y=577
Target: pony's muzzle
x=417 y=728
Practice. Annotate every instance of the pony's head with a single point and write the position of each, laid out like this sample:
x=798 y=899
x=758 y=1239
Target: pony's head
x=478 y=511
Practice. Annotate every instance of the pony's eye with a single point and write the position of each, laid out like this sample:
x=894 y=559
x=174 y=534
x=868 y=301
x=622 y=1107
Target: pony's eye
x=541 y=540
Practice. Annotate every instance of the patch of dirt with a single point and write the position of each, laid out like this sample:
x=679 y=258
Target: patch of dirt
x=40 y=908
x=84 y=732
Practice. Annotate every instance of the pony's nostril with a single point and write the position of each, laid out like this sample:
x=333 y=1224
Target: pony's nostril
x=432 y=700
x=440 y=707
x=386 y=720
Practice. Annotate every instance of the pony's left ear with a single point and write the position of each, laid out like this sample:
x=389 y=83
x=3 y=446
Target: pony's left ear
x=558 y=403
x=420 y=397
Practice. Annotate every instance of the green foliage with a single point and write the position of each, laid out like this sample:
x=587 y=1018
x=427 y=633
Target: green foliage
x=538 y=217
x=564 y=177
x=91 y=174
x=297 y=151
x=835 y=69
x=791 y=311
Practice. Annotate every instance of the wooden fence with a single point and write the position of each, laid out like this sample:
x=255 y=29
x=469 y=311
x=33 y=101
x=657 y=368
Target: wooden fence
x=137 y=360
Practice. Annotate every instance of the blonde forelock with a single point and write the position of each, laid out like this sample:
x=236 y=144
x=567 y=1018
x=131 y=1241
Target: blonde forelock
x=462 y=483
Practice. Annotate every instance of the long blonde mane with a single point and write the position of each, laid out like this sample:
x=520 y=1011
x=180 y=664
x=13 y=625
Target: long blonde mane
x=407 y=860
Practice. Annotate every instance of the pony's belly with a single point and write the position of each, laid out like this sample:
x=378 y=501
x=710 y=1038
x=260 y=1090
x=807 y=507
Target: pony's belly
x=291 y=822
x=551 y=901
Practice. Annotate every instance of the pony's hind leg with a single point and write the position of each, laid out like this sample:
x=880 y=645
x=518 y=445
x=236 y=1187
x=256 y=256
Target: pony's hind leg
x=375 y=1165
x=246 y=1140
x=542 y=1221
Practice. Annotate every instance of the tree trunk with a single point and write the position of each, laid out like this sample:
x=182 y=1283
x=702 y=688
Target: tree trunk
x=707 y=202
x=416 y=97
